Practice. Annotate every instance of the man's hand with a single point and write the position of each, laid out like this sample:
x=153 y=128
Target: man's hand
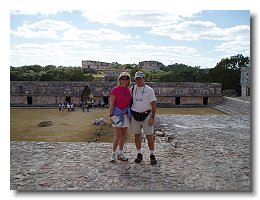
x=151 y=122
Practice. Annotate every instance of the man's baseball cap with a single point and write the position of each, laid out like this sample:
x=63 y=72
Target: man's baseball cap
x=139 y=74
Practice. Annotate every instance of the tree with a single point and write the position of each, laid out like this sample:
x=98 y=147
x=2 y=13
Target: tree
x=35 y=68
x=227 y=72
x=74 y=74
x=182 y=73
x=49 y=67
x=45 y=76
x=134 y=70
x=154 y=75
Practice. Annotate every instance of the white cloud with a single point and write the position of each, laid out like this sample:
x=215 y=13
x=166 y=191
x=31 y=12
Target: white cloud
x=234 y=47
x=97 y=35
x=239 y=33
x=195 y=30
x=44 y=12
x=57 y=53
x=169 y=55
x=42 y=29
x=137 y=18
x=53 y=29
x=162 y=49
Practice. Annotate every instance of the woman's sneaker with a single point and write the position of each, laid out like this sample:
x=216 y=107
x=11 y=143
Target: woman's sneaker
x=113 y=158
x=122 y=157
x=139 y=158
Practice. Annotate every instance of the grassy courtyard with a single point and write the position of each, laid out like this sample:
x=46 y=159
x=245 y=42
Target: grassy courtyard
x=74 y=126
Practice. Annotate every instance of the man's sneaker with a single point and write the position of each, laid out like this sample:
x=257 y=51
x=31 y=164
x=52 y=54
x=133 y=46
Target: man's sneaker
x=113 y=158
x=153 y=160
x=139 y=158
x=122 y=157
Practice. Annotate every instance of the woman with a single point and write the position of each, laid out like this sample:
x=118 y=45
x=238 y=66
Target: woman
x=120 y=114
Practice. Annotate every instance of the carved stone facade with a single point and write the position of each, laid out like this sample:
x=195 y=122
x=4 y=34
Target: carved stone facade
x=150 y=65
x=245 y=81
x=96 y=65
x=51 y=93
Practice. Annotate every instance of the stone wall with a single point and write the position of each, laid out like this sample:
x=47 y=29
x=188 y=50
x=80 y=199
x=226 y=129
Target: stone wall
x=245 y=81
x=52 y=93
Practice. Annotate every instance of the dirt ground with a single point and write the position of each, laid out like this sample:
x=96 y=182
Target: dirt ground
x=74 y=126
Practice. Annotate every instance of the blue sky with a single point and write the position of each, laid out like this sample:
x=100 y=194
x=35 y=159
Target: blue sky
x=66 y=37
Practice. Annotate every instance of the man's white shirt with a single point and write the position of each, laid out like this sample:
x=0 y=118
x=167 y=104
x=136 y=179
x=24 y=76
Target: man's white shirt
x=142 y=98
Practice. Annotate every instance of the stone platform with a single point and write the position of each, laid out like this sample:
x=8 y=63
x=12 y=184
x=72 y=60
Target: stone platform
x=205 y=153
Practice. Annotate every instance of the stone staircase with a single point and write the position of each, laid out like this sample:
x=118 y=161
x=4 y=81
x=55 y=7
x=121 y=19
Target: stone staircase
x=233 y=106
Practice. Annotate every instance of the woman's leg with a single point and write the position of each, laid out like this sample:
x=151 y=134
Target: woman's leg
x=122 y=138
x=115 y=144
x=121 y=155
x=116 y=138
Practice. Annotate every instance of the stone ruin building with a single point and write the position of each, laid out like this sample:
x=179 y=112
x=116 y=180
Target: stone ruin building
x=150 y=65
x=245 y=81
x=89 y=64
x=50 y=93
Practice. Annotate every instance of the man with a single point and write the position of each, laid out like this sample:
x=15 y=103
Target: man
x=144 y=104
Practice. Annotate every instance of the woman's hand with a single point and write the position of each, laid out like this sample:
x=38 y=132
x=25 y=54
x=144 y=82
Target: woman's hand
x=109 y=119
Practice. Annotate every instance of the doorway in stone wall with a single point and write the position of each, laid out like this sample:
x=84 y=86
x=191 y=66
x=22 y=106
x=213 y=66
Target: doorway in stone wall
x=68 y=99
x=248 y=92
x=177 y=100
x=29 y=100
x=86 y=93
x=205 y=100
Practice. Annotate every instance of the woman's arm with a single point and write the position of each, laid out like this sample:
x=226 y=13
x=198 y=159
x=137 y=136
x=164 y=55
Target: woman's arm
x=112 y=104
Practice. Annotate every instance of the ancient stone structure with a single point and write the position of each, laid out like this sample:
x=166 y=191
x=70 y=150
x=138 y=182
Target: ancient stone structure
x=245 y=81
x=89 y=64
x=148 y=65
x=52 y=93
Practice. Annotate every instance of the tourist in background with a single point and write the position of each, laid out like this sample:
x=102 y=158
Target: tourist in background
x=120 y=114
x=143 y=112
x=59 y=106
x=63 y=106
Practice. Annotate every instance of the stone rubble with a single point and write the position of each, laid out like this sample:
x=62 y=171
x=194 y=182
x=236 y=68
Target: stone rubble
x=205 y=153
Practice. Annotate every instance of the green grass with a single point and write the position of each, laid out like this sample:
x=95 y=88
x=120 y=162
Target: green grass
x=75 y=126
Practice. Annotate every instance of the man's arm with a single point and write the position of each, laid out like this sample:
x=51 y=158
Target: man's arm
x=153 y=104
x=151 y=120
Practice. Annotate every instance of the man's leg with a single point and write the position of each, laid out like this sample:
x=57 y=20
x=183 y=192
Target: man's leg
x=151 y=147
x=138 y=141
x=136 y=129
x=150 y=142
x=138 y=145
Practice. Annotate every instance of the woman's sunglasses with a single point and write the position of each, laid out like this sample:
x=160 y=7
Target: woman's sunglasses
x=124 y=78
